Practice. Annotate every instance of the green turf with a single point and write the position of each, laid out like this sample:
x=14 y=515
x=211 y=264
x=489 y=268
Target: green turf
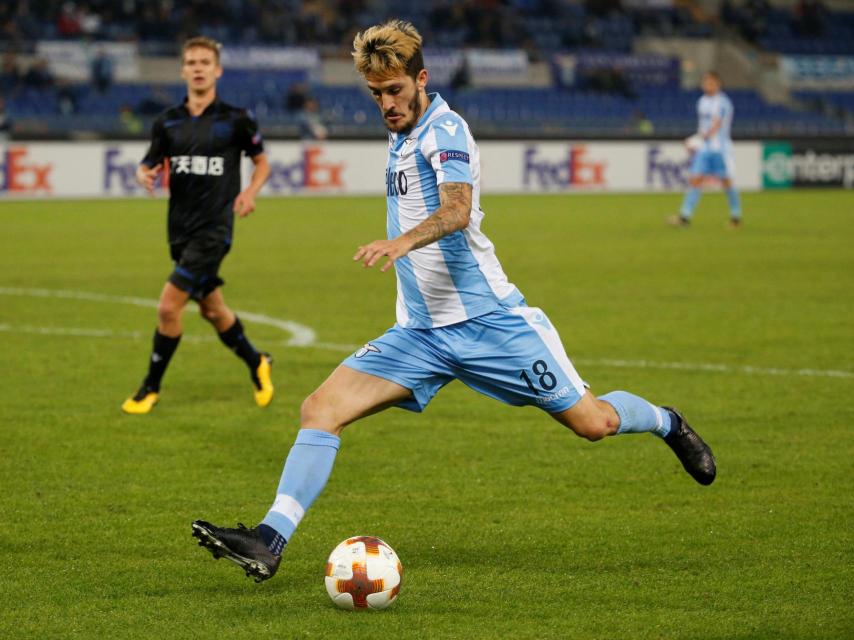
x=507 y=524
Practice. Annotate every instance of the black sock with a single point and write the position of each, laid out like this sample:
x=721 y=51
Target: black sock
x=161 y=353
x=236 y=340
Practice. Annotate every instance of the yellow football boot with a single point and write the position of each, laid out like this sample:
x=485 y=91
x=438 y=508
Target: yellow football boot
x=142 y=402
x=263 y=381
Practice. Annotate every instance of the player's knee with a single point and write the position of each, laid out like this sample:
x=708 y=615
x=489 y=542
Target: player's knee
x=168 y=312
x=211 y=314
x=591 y=431
x=317 y=412
x=594 y=428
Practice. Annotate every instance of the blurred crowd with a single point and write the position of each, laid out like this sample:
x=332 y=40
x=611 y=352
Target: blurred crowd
x=488 y=23
x=751 y=17
x=38 y=77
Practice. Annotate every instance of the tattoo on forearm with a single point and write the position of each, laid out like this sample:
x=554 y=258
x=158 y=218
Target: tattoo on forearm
x=452 y=215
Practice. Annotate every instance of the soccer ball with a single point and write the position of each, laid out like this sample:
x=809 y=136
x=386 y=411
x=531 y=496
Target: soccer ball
x=694 y=143
x=363 y=572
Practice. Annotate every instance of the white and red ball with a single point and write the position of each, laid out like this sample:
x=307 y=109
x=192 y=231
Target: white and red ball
x=363 y=572
x=694 y=143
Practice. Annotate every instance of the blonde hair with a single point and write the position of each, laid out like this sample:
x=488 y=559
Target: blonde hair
x=388 y=50
x=202 y=42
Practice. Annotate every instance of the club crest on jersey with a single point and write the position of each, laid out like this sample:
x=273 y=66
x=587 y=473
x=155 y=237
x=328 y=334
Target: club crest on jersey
x=450 y=127
x=462 y=156
x=368 y=348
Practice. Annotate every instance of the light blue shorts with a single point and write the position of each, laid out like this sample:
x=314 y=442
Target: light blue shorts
x=711 y=163
x=513 y=354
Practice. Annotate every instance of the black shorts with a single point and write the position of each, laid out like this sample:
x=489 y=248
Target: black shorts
x=197 y=264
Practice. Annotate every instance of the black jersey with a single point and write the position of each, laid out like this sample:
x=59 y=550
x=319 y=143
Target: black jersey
x=203 y=154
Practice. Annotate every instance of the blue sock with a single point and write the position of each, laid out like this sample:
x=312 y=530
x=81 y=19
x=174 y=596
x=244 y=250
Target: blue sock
x=273 y=539
x=637 y=415
x=692 y=197
x=734 y=203
x=306 y=471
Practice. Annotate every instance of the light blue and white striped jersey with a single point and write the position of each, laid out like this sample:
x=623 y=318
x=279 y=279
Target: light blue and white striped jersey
x=458 y=277
x=709 y=108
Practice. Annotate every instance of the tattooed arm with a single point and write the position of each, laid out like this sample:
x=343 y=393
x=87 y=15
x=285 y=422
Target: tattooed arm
x=452 y=215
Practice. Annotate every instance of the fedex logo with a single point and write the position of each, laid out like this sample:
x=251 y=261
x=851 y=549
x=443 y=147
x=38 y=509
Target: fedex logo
x=18 y=175
x=309 y=173
x=665 y=172
x=120 y=174
x=574 y=171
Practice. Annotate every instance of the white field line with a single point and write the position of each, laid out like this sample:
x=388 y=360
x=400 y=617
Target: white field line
x=302 y=336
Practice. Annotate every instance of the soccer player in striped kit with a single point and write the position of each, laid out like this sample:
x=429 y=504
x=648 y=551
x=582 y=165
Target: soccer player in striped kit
x=714 y=157
x=458 y=316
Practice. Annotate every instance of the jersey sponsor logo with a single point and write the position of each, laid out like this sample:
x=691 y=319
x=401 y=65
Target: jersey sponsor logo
x=563 y=392
x=396 y=183
x=368 y=348
x=198 y=165
x=19 y=175
x=310 y=172
x=462 y=156
x=573 y=171
x=450 y=126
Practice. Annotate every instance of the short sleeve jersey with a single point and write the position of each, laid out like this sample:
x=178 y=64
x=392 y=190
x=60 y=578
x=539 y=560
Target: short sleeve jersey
x=203 y=154
x=709 y=108
x=458 y=277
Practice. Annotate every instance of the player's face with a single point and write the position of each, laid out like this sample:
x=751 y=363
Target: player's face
x=399 y=99
x=710 y=85
x=200 y=69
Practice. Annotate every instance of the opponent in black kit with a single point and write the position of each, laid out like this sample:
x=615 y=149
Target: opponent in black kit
x=201 y=142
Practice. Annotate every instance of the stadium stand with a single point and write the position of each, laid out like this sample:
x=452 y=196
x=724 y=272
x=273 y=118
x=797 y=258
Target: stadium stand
x=610 y=89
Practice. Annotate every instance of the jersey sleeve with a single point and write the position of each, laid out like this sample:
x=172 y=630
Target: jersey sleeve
x=248 y=135
x=446 y=148
x=724 y=109
x=158 y=148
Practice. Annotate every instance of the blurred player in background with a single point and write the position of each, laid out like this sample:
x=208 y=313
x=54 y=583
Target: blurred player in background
x=712 y=147
x=202 y=141
x=458 y=316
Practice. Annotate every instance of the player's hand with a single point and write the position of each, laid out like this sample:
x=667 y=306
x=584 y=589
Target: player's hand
x=146 y=176
x=372 y=253
x=244 y=204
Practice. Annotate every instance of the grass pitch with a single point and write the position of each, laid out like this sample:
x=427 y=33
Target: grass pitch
x=507 y=524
